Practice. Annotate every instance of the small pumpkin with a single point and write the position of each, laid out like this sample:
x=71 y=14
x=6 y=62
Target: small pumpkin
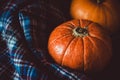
x=104 y=12
x=80 y=45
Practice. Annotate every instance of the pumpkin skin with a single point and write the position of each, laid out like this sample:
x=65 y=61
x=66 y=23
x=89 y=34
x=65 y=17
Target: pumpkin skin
x=80 y=45
x=104 y=12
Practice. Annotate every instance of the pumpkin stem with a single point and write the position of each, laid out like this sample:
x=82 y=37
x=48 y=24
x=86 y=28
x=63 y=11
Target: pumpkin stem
x=100 y=1
x=80 y=32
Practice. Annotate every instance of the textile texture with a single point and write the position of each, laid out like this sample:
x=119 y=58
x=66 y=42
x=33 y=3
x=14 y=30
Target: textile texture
x=25 y=26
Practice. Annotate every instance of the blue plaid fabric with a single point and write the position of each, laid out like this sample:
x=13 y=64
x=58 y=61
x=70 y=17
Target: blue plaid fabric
x=25 y=26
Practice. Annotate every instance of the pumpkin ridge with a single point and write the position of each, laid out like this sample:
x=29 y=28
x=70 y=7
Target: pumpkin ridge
x=74 y=25
x=89 y=53
x=71 y=25
x=86 y=53
x=78 y=39
x=95 y=46
x=92 y=42
x=83 y=53
x=66 y=49
x=66 y=26
x=102 y=42
x=60 y=37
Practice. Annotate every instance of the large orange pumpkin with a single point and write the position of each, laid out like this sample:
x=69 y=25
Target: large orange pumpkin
x=81 y=45
x=104 y=12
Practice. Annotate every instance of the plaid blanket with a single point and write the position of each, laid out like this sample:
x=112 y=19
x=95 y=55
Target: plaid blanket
x=25 y=26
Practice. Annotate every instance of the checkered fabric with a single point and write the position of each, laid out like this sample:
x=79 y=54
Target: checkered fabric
x=25 y=26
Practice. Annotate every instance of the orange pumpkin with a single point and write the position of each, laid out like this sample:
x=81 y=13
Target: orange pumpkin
x=104 y=12
x=81 y=45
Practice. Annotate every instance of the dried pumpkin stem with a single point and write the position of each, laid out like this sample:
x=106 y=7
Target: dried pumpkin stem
x=80 y=32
